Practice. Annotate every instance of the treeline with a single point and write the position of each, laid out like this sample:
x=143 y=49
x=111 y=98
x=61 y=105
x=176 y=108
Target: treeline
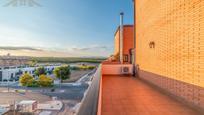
x=66 y=60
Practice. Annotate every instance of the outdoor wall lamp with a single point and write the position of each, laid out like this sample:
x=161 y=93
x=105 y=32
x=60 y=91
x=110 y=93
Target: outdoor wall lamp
x=152 y=44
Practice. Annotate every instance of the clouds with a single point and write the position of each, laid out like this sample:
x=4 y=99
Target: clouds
x=35 y=52
x=94 y=50
x=91 y=48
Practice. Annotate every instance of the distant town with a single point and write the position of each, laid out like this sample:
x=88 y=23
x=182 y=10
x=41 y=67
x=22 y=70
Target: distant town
x=44 y=86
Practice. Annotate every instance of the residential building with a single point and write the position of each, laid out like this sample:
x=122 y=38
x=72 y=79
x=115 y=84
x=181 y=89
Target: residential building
x=27 y=106
x=13 y=73
x=170 y=47
x=127 y=42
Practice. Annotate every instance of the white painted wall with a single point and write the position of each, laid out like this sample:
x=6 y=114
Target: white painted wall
x=6 y=73
x=115 y=69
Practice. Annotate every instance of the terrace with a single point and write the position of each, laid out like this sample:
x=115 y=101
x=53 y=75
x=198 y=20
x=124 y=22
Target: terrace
x=125 y=95
x=115 y=94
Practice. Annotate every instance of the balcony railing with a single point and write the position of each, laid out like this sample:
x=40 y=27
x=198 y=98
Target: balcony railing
x=89 y=104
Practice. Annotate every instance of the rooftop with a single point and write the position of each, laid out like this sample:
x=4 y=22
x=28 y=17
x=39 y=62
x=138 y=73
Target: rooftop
x=27 y=102
x=124 y=26
x=3 y=110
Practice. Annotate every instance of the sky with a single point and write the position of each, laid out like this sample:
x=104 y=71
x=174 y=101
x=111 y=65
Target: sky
x=61 y=28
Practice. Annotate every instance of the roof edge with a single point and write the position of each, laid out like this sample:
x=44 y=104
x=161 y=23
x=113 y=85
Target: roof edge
x=127 y=25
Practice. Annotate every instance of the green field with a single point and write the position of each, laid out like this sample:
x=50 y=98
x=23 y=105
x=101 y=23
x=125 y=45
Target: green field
x=66 y=60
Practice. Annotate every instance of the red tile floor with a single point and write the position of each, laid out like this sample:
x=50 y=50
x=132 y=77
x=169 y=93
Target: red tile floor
x=125 y=95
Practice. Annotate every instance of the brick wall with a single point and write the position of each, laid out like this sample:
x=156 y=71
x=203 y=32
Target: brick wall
x=170 y=44
x=128 y=41
x=128 y=44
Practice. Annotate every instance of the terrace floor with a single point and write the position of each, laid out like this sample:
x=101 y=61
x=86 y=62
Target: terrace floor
x=124 y=95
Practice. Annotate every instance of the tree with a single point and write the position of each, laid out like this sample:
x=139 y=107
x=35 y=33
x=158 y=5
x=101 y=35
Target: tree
x=26 y=79
x=62 y=72
x=32 y=63
x=45 y=81
x=91 y=67
x=40 y=71
x=33 y=84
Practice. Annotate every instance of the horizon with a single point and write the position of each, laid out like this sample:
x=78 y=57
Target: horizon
x=62 y=29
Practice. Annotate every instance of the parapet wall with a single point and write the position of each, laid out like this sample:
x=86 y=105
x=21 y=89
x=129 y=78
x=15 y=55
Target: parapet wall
x=115 y=69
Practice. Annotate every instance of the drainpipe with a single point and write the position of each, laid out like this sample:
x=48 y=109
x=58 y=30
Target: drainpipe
x=121 y=37
x=134 y=40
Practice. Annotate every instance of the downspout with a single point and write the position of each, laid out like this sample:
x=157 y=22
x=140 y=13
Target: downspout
x=134 y=40
x=121 y=37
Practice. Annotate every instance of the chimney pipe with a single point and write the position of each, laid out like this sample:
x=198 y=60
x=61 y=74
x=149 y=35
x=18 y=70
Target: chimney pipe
x=121 y=37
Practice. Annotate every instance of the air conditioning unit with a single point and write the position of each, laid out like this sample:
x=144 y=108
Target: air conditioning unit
x=125 y=70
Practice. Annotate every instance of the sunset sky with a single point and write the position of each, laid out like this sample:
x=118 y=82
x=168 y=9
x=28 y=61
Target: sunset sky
x=62 y=28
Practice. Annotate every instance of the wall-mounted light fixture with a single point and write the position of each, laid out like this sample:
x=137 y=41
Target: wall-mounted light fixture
x=152 y=44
